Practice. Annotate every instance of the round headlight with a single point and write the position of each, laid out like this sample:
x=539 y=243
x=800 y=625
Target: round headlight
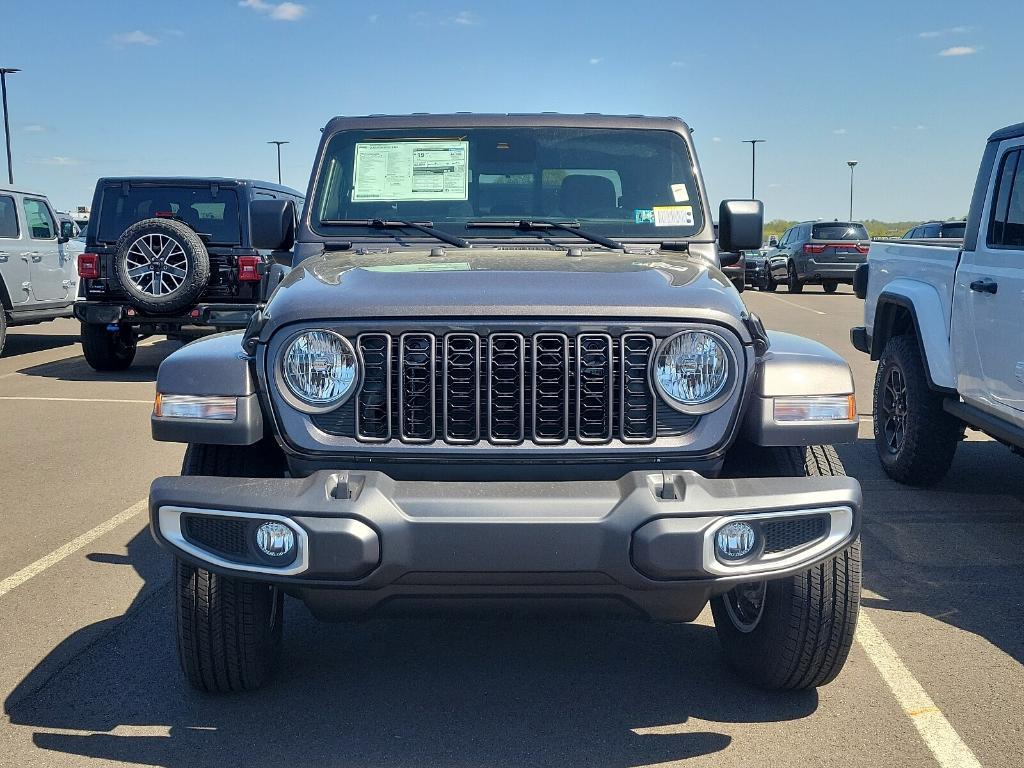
x=319 y=369
x=692 y=368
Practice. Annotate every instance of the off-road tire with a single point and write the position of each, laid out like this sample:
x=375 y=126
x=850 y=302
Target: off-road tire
x=930 y=434
x=803 y=635
x=793 y=280
x=228 y=629
x=830 y=286
x=107 y=351
x=194 y=254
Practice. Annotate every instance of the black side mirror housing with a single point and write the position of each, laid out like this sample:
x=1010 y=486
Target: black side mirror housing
x=67 y=231
x=740 y=225
x=773 y=241
x=272 y=224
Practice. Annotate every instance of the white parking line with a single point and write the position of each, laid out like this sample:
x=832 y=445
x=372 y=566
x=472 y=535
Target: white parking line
x=935 y=730
x=74 y=399
x=70 y=548
x=794 y=304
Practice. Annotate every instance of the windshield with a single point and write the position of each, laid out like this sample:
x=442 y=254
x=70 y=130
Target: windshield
x=619 y=183
x=839 y=231
x=955 y=229
x=210 y=214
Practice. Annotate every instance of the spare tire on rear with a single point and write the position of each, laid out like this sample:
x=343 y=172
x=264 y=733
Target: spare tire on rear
x=162 y=265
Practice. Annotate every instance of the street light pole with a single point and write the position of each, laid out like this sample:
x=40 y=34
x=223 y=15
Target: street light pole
x=4 y=71
x=753 y=162
x=278 y=143
x=851 y=163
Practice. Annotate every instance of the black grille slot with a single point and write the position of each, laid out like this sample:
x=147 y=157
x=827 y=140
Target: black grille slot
x=506 y=387
x=461 y=387
x=416 y=387
x=594 y=388
x=224 y=535
x=781 y=535
x=373 y=404
x=636 y=400
x=550 y=388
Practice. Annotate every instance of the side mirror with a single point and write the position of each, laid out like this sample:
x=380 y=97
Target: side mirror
x=740 y=225
x=728 y=258
x=272 y=224
x=773 y=241
x=67 y=231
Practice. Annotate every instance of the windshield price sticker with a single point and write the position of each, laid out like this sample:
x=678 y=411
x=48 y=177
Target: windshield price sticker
x=673 y=216
x=411 y=170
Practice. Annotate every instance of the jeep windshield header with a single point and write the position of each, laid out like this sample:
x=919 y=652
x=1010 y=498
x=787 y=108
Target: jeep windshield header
x=619 y=183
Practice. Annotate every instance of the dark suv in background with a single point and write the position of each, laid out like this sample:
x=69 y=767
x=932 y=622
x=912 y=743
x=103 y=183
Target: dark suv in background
x=171 y=256
x=823 y=252
x=937 y=229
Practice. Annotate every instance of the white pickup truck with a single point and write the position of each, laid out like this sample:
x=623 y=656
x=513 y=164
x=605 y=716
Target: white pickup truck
x=945 y=321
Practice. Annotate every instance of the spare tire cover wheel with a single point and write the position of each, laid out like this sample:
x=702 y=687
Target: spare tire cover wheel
x=162 y=265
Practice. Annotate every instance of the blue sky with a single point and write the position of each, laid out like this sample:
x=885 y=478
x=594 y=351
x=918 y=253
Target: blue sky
x=909 y=89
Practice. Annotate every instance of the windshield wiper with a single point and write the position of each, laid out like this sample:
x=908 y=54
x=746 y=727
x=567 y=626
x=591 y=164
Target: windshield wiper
x=426 y=227
x=534 y=225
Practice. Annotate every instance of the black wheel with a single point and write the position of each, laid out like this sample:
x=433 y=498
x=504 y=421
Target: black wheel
x=162 y=265
x=915 y=438
x=739 y=284
x=830 y=286
x=228 y=630
x=769 y=284
x=3 y=329
x=793 y=280
x=108 y=350
x=796 y=632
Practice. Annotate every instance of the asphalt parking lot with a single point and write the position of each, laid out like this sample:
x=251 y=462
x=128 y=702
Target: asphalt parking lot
x=89 y=672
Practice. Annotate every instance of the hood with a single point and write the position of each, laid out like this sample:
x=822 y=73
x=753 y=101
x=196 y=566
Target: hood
x=505 y=283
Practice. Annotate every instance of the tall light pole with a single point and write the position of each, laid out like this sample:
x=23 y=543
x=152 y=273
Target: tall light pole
x=753 y=161
x=852 y=164
x=4 y=71
x=279 y=143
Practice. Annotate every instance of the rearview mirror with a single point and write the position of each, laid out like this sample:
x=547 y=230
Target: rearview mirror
x=272 y=224
x=740 y=225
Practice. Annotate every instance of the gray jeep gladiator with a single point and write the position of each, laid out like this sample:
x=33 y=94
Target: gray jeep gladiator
x=504 y=369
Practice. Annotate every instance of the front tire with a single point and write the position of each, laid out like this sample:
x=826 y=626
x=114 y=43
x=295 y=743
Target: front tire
x=108 y=351
x=228 y=629
x=796 y=632
x=3 y=328
x=769 y=284
x=915 y=438
x=830 y=286
x=793 y=280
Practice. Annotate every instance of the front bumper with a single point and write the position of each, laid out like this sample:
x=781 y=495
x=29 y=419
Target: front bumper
x=201 y=315
x=364 y=539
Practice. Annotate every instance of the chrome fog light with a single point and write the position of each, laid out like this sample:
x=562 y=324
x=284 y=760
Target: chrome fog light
x=275 y=539
x=735 y=541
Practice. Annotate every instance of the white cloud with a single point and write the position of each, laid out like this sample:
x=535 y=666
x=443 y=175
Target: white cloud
x=277 y=11
x=466 y=19
x=373 y=18
x=596 y=60
x=959 y=50
x=56 y=160
x=840 y=131
x=920 y=127
x=677 y=64
x=34 y=128
x=933 y=33
x=460 y=19
x=716 y=139
x=135 y=37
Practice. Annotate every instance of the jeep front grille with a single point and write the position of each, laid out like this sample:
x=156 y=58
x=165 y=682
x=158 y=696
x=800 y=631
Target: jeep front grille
x=504 y=388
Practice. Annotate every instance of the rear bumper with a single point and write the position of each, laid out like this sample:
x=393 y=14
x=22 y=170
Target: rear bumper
x=830 y=271
x=201 y=315
x=646 y=540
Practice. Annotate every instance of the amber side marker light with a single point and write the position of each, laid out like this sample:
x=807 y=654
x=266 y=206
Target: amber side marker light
x=815 y=409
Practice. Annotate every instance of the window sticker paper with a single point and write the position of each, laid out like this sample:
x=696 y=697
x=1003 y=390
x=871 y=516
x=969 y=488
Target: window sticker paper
x=680 y=193
x=673 y=216
x=411 y=170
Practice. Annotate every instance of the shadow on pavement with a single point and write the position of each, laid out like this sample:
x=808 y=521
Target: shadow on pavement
x=25 y=343
x=397 y=692
x=952 y=552
x=144 y=368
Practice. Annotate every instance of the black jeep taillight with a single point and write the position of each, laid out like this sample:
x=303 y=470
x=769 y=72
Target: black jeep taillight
x=249 y=269
x=88 y=266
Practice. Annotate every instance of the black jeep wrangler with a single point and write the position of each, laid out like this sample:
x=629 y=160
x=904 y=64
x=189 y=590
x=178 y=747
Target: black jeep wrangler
x=171 y=256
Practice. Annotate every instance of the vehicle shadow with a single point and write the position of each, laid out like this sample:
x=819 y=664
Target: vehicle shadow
x=144 y=368
x=397 y=692
x=952 y=551
x=26 y=343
